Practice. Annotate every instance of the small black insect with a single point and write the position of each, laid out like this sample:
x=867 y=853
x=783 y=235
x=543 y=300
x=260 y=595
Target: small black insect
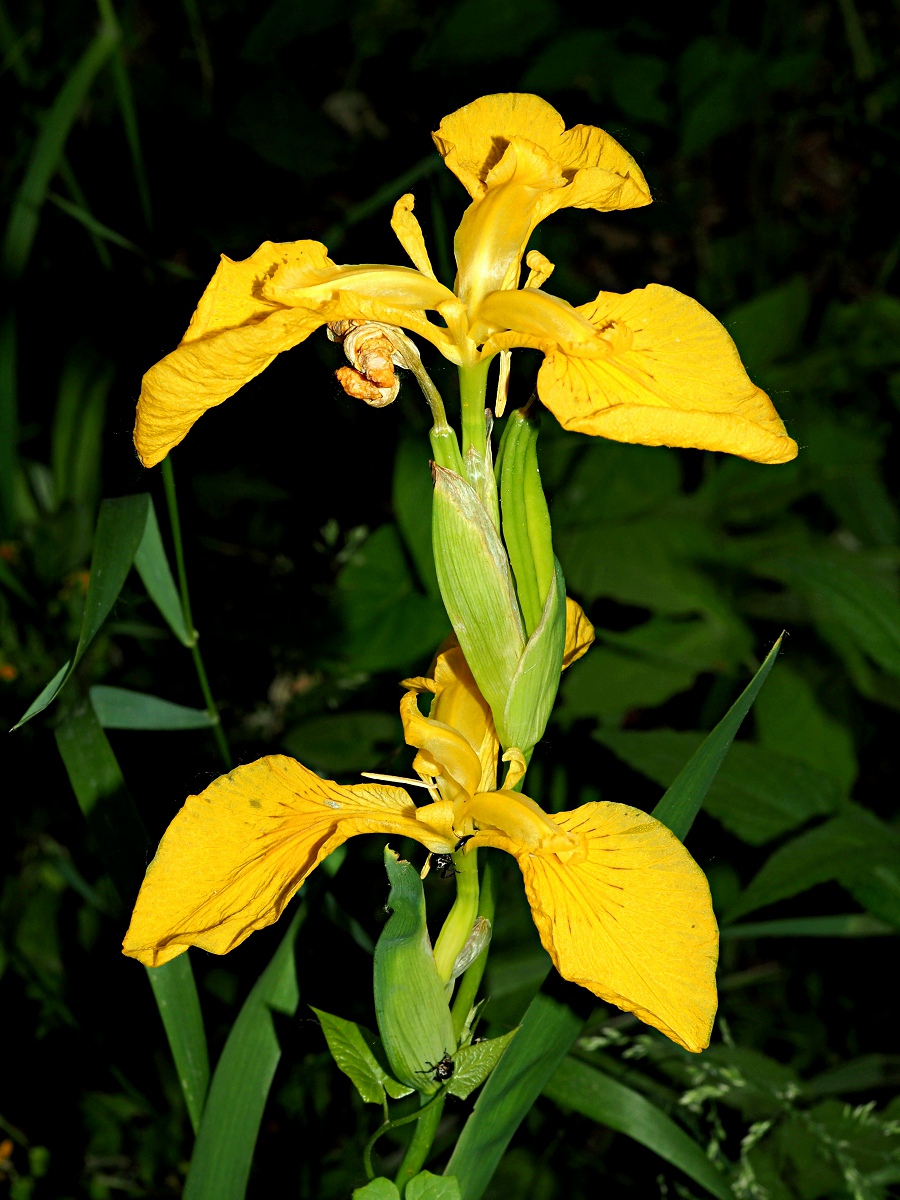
x=462 y=841
x=443 y=864
x=441 y=1071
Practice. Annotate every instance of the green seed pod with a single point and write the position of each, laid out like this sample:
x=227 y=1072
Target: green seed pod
x=410 y=1002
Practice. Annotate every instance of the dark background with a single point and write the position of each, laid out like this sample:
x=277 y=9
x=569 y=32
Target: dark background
x=768 y=135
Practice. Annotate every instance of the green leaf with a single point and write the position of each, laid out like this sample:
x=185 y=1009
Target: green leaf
x=682 y=801
x=153 y=567
x=120 y=527
x=351 y=1049
x=579 y=1087
x=790 y=720
x=389 y=623
x=473 y=1064
x=378 y=1189
x=545 y=1037
x=122 y=842
x=770 y=326
x=853 y=848
x=48 y=148
x=119 y=708
x=848 y=925
x=223 y=1153
x=104 y=800
x=179 y=1006
x=8 y=579
x=757 y=793
x=426 y=1186
x=344 y=742
x=475 y=33
x=607 y=684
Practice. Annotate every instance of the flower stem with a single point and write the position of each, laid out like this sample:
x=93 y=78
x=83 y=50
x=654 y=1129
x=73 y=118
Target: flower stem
x=420 y=1146
x=472 y=390
x=175 y=522
x=471 y=981
x=413 y=1116
x=458 y=925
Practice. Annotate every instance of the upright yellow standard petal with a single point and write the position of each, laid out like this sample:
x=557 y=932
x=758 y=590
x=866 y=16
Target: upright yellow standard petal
x=234 y=856
x=627 y=915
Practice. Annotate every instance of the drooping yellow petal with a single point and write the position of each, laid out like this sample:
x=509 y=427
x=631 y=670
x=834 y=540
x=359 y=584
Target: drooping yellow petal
x=443 y=751
x=234 y=856
x=473 y=139
x=409 y=234
x=660 y=371
x=540 y=268
x=579 y=633
x=254 y=309
x=628 y=915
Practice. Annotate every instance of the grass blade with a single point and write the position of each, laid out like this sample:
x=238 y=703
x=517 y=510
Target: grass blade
x=48 y=149
x=681 y=803
x=583 y=1089
x=153 y=568
x=9 y=422
x=127 y=110
x=175 y=991
x=223 y=1154
x=545 y=1037
x=846 y=925
x=120 y=708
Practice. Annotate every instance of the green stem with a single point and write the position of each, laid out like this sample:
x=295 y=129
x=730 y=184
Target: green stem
x=458 y=925
x=420 y=1146
x=175 y=522
x=472 y=390
x=382 y=1129
x=471 y=981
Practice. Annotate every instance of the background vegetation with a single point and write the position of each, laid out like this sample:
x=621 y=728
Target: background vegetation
x=142 y=143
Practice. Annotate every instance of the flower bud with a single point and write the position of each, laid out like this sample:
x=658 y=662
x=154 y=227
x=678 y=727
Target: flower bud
x=410 y=1002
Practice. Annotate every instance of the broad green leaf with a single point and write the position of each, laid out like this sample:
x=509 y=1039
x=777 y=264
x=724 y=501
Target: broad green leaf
x=769 y=326
x=153 y=567
x=853 y=848
x=120 y=527
x=122 y=842
x=790 y=720
x=859 y=1075
x=351 y=1049
x=344 y=742
x=378 y=1189
x=613 y=481
x=472 y=32
x=179 y=1006
x=757 y=793
x=48 y=148
x=848 y=925
x=412 y=495
x=119 y=708
x=581 y=1088
x=104 y=800
x=473 y=1064
x=545 y=1037
x=683 y=799
x=390 y=624
x=426 y=1186
x=608 y=684
x=223 y=1153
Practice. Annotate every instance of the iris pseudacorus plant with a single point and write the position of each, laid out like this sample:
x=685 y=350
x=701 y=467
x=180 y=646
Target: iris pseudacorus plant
x=618 y=902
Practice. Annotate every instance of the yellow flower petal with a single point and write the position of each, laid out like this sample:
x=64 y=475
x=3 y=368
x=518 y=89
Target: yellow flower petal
x=669 y=375
x=409 y=234
x=234 y=856
x=627 y=916
x=473 y=140
x=579 y=633
x=540 y=268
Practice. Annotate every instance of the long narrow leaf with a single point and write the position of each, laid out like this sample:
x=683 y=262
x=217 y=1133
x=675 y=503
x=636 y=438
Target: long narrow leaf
x=176 y=996
x=223 y=1154
x=48 y=148
x=153 y=568
x=127 y=110
x=846 y=925
x=122 y=842
x=585 y=1090
x=120 y=527
x=120 y=708
x=9 y=422
x=681 y=803
x=545 y=1037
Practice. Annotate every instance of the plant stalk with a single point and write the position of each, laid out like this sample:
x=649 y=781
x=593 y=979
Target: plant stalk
x=422 y=1140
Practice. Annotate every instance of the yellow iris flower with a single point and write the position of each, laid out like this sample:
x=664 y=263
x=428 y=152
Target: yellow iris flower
x=651 y=366
x=619 y=903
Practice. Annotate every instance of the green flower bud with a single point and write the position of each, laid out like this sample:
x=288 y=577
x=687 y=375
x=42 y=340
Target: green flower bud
x=410 y=1002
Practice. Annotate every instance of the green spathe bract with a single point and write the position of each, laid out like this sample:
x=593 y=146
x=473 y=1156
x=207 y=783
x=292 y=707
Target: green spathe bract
x=410 y=1004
